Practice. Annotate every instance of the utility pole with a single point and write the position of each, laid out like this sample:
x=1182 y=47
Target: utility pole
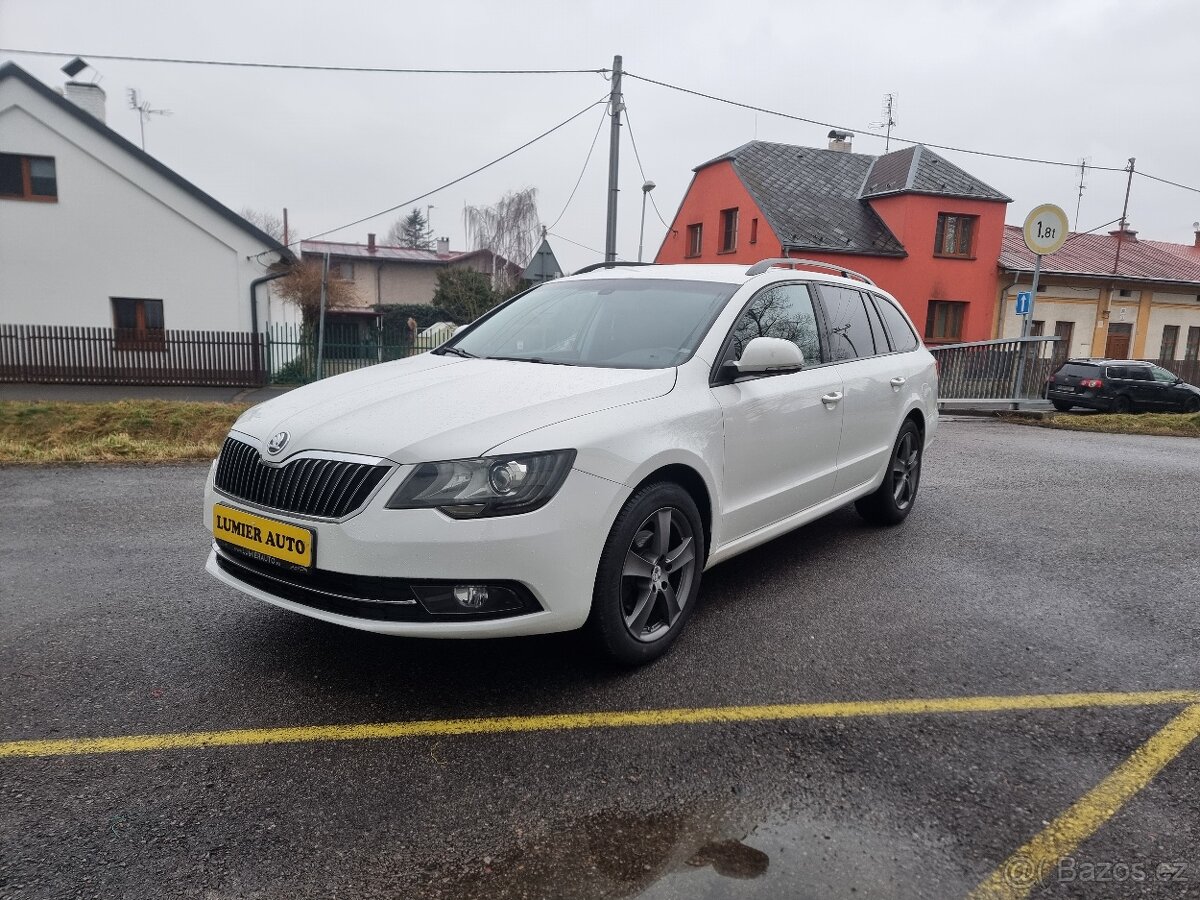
x=321 y=319
x=1124 y=215
x=614 y=152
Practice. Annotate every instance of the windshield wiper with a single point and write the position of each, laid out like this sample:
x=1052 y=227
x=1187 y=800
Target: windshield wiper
x=532 y=359
x=457 y=351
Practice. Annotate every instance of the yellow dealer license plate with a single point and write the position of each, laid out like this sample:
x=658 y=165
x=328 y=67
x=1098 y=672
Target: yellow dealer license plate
x=277 y=540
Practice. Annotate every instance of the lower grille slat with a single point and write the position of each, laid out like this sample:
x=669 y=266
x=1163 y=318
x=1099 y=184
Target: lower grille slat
x=323 y=488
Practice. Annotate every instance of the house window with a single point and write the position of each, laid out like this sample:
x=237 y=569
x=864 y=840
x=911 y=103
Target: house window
x=344 y=271
x=1037 y=328
x=955 y=235
x=1192 y=350
x=138 y=324
x=1170 y=340
x=944 y=320
x=27 y=178
x=1066 y=334
x=754 y=230
x=729 y=228
x=694 y=235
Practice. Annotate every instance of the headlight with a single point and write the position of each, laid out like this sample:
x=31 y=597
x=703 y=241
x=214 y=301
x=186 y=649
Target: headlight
x=491 y=486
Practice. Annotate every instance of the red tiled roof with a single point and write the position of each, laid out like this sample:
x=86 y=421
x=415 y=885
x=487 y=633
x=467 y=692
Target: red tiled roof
x=391 y=254
x=1093 y=254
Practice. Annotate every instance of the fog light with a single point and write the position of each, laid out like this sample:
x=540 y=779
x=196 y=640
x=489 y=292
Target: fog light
x=471 y=596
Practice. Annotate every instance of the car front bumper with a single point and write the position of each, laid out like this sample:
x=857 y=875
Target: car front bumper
x=548 y=556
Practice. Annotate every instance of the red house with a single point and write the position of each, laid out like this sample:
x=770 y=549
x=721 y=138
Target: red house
x=919 y=226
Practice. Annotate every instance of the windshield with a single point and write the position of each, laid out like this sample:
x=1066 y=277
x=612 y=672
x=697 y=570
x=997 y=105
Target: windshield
x=620 y=323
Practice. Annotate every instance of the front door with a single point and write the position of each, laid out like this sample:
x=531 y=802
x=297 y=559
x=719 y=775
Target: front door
x=1119 y=335
x=781 y=430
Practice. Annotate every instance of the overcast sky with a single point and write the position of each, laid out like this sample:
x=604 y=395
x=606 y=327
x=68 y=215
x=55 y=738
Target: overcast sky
x=1100 y=79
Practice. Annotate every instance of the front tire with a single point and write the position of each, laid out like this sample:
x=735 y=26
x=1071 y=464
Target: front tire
x=893 y=501
x=1192 y=405
x=649 y=575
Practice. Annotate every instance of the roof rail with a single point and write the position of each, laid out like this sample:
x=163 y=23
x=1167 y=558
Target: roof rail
x=608 y=265
x=763 y=265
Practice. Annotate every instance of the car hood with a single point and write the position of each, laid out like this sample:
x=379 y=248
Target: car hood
x=442 y=407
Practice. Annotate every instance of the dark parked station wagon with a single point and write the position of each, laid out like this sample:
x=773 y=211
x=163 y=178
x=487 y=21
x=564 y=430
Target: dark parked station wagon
x=1120 y=385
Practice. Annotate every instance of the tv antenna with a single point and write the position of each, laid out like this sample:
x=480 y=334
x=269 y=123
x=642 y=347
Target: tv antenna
x=889 y=121
x=144 y=111
x=1083 y=163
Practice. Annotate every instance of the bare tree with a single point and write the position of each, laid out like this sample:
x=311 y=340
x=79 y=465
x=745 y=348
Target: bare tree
x=302 y=286
x=509 y=229
x=264 y=220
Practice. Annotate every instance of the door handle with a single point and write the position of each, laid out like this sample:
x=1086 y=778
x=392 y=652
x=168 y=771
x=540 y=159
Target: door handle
x=832 y=397
x=898 y=381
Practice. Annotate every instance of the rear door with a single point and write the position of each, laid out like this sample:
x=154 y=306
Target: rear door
x=782 y=429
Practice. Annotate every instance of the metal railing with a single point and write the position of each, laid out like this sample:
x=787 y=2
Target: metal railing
x=291 y=350
x=1000 y=371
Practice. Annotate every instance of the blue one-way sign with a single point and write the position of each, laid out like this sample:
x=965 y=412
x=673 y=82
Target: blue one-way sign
x=1023 y=299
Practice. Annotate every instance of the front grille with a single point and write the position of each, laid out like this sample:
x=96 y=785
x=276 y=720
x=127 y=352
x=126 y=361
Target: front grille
x=326 y=488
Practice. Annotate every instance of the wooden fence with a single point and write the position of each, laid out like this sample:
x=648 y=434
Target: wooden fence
x=78 y=355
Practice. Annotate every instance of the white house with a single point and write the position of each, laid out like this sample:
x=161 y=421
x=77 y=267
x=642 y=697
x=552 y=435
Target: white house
x=95 y=232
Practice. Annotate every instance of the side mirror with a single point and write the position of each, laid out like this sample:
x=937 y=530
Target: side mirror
x=766 y=354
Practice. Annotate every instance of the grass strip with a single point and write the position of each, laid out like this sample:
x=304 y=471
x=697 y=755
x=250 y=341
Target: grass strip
x=121 y=431
x=1160 y=424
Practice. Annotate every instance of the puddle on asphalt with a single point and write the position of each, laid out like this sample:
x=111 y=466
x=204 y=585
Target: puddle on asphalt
x=694 y=853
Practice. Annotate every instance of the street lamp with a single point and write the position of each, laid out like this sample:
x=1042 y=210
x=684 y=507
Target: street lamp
x=646 y=189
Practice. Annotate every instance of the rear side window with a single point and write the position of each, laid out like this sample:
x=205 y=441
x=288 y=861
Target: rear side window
x=1116 y=372
x=898 y=329
x=849 y=328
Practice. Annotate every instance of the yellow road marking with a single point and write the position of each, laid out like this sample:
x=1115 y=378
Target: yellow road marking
x=566 y=721
x=1030 y=865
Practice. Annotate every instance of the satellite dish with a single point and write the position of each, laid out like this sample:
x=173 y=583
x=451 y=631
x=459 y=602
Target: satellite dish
x=1196 y=224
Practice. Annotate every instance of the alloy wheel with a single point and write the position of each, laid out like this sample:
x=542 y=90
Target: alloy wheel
x=906 y=468
x=656 y=579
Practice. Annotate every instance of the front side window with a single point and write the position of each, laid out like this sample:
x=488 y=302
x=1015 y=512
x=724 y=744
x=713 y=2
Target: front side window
x=955 y=235
x=27 y=177
x=138 y=324
x=849 y=327
x=618 y=323
x=694 y=236
x=729 y=230
x=1162 y=376
x=944 y=320
x=900 y=332
x=780 y=311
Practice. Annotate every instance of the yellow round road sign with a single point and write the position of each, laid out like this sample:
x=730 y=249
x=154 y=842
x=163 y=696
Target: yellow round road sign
x=1045 y=229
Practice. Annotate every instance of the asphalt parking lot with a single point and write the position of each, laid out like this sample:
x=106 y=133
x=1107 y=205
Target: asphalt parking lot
x=1039 y=569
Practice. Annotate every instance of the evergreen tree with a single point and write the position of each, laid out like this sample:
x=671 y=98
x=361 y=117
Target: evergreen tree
x=412 y=231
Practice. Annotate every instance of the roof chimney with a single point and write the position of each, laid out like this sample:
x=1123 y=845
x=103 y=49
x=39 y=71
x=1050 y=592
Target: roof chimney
x=840 y=141
x=443 y=246
x=370 y=242
x=88 y=97
x=1125 y=234
x=1196 y=231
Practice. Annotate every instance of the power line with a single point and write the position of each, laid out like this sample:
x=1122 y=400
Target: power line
x=455 y=181
x=1172 y=183
x=867 y=131
x=638 y=157
x=576 y=243
x=309 y=68
x=587 y=159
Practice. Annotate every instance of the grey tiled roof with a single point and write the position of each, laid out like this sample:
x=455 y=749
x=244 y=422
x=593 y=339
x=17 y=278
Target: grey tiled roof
x=817 y=199
x=918 y=170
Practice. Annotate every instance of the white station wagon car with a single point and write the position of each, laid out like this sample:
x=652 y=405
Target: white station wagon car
x=579 y=455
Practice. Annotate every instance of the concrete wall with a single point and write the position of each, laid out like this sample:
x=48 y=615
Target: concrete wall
x=119 y=229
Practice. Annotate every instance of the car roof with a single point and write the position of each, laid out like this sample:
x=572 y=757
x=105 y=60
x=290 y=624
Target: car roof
x=1105 y=361
x=725 y=274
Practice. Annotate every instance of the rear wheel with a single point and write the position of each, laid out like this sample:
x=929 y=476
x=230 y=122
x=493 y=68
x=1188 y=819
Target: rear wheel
x=1062 y=406
x=649 y=575
x=893 y=501
x=1121 y=404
